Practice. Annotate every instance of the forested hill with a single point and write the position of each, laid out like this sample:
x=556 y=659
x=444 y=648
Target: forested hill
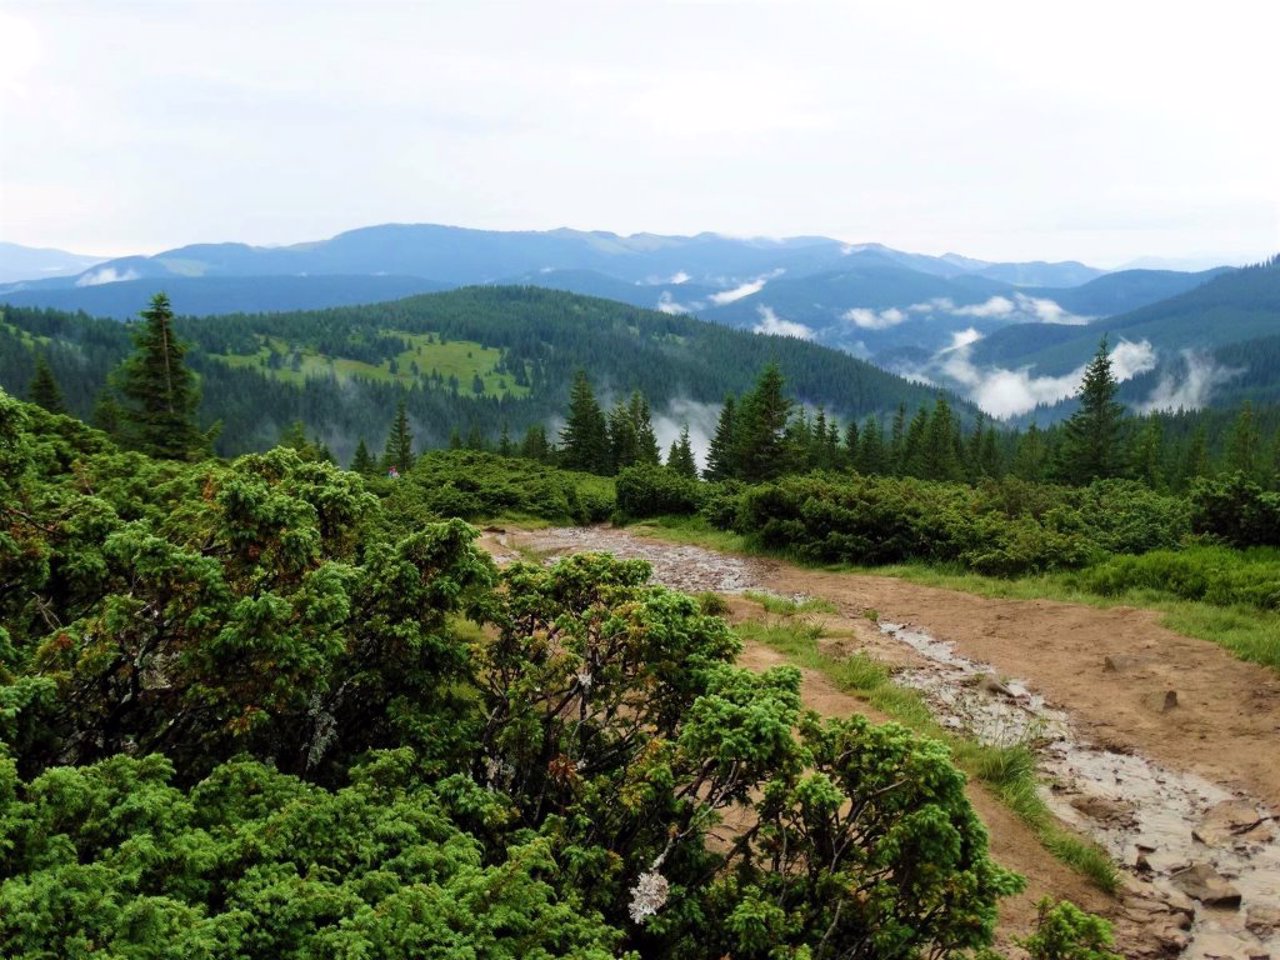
x=1231 y=308
x=469 y=361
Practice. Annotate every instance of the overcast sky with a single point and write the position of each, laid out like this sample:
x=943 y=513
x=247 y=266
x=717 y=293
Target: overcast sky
x=1028 y=130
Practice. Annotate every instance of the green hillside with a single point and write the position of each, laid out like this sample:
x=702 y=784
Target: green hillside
x=469 y=361
x=1231 y=308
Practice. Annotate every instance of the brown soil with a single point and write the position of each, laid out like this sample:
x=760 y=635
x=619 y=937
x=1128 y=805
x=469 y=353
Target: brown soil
x=1226 y=724
x=1111 y=669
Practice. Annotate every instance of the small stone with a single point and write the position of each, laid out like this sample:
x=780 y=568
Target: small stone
x=1122 y=662
x=1201 y=882
x=1170 y=701
x=1262 y=921
x=1233 y=821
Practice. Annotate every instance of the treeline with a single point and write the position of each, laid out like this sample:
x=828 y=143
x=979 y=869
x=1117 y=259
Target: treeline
x=543 y=337
x=765 y=434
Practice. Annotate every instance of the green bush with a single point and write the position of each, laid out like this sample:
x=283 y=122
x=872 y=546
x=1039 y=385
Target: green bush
x=1000 y=528
x=647 y=490
x=479 y=486
x=1236 y=511
x=1216 y=575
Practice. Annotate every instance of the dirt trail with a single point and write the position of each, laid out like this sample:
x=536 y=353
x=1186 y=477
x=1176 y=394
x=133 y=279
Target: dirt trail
x=1172 y=784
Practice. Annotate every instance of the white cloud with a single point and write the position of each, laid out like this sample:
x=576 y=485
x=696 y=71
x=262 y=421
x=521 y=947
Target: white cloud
x=105 y=275
x=737 y=293
x=868 y=319
x=680 y=277
x=1048 y=311
x=1006 y=393
x=771 y=323
x=945 y=304
x=963 y=338
x=667 y=304
x=1020 y=309
x=1192 y=390
x=745 y=289
x=995 y=307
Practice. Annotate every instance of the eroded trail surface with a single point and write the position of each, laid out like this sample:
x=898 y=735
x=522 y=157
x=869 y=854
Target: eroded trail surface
x=1160 y=747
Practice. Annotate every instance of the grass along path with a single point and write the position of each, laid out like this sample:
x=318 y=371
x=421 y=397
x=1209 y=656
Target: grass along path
x=1250 y=633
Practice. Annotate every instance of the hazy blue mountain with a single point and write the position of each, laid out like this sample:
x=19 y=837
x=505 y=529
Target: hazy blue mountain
x=1040 y=274
x=1125 y=290
x=457 y=256
x=1231 y=307
x=213 y=296
x=26 y=263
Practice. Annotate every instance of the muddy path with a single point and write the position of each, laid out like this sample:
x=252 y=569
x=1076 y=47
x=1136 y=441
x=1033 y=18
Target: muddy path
x=1160 y=747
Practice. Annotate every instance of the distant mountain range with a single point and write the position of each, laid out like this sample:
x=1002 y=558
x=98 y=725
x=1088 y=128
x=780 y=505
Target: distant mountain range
x=18 y=263
x=951 y=320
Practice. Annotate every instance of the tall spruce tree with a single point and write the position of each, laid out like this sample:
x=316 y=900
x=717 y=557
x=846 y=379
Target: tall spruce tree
x=646 y=440
x=721 y=461
x=107 y=413
x=761 y=435
x=1244 y=445
x=585 y=437
x=363 y=462
x=44 y=390
x=398 y=452
x=1091 y=440
x=680 y=458
x=159 y=417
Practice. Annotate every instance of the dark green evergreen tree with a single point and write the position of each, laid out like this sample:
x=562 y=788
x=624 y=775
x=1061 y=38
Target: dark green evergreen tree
x=1091 y=440
x=1244 y=445
x=939 y=459
x=362 y=462
x=107 y=413
x=584 y=440
x=721 y=461
x=680 y=458
x=505 y=448
x=44 y=389
x=161 y=393
x=871 y=457
x=646 y=440
x=534 y=446
x=398 y=452
x=623 y=443
x=761 y=434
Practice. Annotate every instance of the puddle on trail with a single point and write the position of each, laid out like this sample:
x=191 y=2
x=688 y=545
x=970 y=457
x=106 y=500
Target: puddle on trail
x=1152 y=820
x=680 y=567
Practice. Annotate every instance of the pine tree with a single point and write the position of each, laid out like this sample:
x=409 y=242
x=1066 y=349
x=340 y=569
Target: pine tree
x=505 y=448
x=938 y=457
x=896 y=455
x=624 y=448
x=1148 y=455
x=680 y=459
x=106 y=413
x=871 y=457
x=159 y=419
x=721 y=462
x=362 y=462
x=646 y=440
x=1244 y=446
x=398 y=452
x=1091 y=443
x=761 y=444
x=44 y=390
x=585 y=437
x=1030 y=457
x=535 y=446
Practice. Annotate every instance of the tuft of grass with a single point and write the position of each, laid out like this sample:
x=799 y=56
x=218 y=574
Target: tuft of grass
x=1009 y=770
x=693 y=531
x=712 y=604
x=786 y=606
